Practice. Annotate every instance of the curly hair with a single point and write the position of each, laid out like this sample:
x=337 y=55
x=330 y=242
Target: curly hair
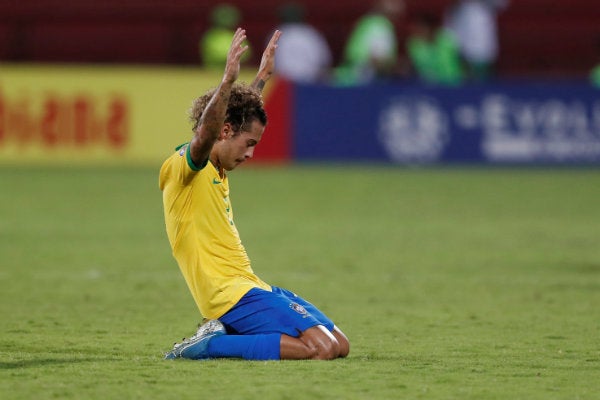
x=245 y=106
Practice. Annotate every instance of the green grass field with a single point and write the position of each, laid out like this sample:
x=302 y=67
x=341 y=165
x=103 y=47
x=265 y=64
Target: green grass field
x=450 y=284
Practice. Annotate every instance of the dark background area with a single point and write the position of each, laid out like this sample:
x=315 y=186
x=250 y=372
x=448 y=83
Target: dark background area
x=542 y=38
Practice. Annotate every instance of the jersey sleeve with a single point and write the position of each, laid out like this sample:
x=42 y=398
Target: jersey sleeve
x=190 y=162
x=179 y=167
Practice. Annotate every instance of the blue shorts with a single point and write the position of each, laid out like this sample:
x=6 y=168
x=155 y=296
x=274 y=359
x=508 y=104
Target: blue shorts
x=278 y=311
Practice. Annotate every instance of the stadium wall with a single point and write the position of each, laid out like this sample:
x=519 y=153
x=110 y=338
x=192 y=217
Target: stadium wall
x=526 y=123
x=85 y=115
x=550 y=38
x=96 y=115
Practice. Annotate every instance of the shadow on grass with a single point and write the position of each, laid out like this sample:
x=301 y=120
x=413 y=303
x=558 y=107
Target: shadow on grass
x=44 y=362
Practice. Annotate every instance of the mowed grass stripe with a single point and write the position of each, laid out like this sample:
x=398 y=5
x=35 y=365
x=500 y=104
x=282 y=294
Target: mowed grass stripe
x=450 y=283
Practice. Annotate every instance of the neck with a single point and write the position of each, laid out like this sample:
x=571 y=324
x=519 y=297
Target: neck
x=215 y=161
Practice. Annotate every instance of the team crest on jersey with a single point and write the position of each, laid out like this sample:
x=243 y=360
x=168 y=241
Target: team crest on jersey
x=298 y=308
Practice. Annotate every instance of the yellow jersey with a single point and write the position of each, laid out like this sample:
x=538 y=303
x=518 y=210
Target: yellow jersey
x=202 y=234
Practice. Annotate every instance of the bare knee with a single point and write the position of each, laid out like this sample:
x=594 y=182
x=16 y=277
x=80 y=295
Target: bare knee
x=316 y=343
x=323 y=345
x=344 y=349
x=292 y=348
x=330 y=350
x=344 y=343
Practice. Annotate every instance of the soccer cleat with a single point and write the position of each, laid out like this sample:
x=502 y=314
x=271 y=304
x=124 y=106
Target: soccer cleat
x=196 y=347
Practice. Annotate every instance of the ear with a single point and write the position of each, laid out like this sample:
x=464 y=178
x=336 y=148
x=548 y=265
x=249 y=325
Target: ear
x=226 y=131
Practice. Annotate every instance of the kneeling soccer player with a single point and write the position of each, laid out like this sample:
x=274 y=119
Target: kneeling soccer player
x=247 y=317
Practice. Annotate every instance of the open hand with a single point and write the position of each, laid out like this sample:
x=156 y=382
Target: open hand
x=237 y=49
x=267 y=62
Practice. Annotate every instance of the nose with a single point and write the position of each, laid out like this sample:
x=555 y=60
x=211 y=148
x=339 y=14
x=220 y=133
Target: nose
x=249 y=152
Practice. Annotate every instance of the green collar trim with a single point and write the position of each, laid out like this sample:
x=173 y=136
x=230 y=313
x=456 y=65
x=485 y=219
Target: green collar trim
x=188 y=157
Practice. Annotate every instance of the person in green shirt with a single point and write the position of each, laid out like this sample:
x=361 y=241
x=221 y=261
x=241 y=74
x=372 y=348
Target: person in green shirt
x=371 y=52
x=214 y=44
x=433 y=53
x=595 y=76
x=595 y=72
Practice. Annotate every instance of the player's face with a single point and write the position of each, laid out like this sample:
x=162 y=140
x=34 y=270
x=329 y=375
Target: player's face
x=238 y=148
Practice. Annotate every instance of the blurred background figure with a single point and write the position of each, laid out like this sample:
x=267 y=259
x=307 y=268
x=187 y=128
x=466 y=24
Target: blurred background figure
x=474 y=24
x=433 y=52
x=595 y=72
x=371 y=52
x=303 y=54
x=214 y=44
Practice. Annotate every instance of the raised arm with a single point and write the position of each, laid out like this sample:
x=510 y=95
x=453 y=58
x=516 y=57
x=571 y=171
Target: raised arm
x=267 y=63
x=213 y=116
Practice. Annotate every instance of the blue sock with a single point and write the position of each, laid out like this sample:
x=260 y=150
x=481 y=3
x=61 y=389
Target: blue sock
x=248 y=347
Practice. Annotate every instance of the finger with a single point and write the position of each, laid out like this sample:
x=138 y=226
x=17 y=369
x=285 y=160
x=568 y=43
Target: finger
x=239 y=36
x=236 y=34
x=241 y=50
x=239 y=31
x=274 y=39
x=237 y=53
x=239 y=40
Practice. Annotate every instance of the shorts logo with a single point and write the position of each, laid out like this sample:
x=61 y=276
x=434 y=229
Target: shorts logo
x=298 y=308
